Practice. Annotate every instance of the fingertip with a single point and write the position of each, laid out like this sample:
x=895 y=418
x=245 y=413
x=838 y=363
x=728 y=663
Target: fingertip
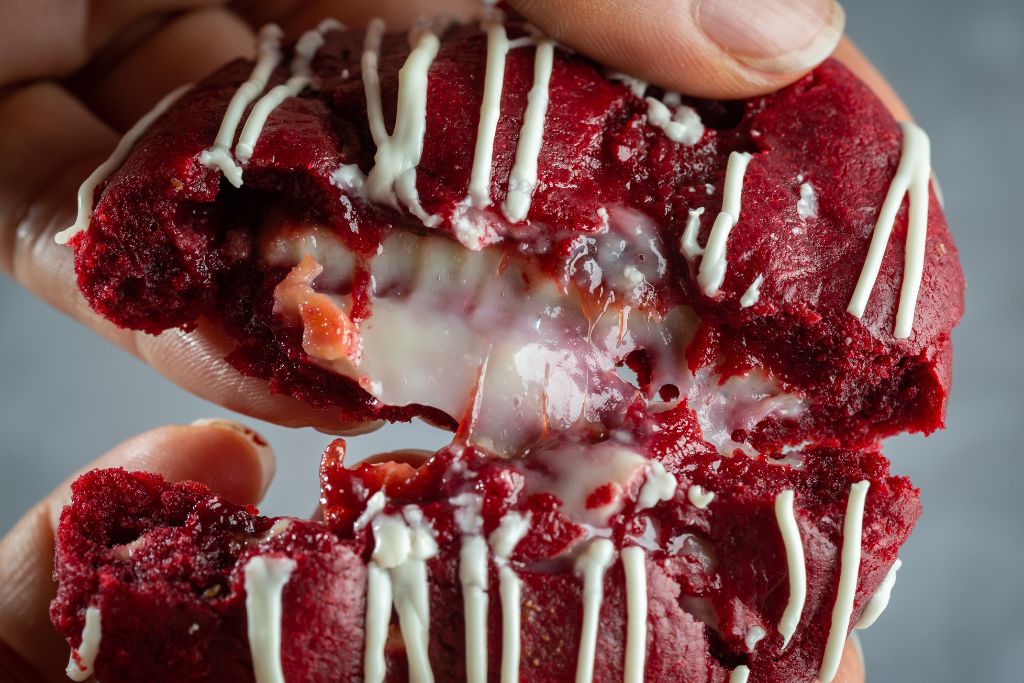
x=705 y=48
x=854 y=60
x=851 y=666
x=236 y=462
x=252 y=439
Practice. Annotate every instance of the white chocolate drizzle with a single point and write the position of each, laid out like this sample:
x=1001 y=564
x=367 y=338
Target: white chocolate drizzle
x=634 y=565
x=688 y=245
x=754 y=636
x=682 y=125
x=523 y=179
x=374 y=505
x=393 y=176
x=490 y=110
x=658 y=486
x=911 y=178
x=306 y=49
x=753 y=293
x=807 y=205
x=592 y=564
x=265 y=579
x=397 y=575
x=880 y=600
x=82 y=661
x=713 y=265
x=87 y=189
x=849 y=569
x=698 y=497
x=511 y=530
x=740 y=674
x=473 y=577
x=785 y=516
x=636 y=86
x=268 y=57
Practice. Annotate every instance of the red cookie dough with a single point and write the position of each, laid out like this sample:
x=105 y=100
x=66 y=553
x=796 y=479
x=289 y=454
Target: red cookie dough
x=171 y=241
x=165 y=566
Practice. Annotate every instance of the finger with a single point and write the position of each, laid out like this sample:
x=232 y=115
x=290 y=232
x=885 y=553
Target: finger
x=851 y=666
x=855 y=61
x=40 y=38
x=183 y=50
x=234 y=461
x=196 y=361
x=295 y=16
x=706 y=48
x=407 y=456
x=49 y=143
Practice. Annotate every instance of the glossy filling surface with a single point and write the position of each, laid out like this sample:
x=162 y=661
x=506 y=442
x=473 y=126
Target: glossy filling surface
x=530 y=352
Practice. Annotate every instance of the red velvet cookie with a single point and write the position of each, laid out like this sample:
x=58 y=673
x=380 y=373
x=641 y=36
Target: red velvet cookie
x=688 y=567
x=668 y=335
x=530 y=216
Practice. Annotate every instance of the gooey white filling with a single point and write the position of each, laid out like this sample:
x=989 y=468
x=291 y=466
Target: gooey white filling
x=446 y=322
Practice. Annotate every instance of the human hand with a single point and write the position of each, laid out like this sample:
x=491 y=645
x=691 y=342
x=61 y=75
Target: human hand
x=79 y=73
x=232 y=460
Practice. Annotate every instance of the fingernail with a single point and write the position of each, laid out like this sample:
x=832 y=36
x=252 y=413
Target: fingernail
x=261 y=447
x=777 y=36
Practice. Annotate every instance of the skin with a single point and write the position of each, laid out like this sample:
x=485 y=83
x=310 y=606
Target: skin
x=75 y=74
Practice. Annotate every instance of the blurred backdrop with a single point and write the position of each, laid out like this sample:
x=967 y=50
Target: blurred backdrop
x=66 y=396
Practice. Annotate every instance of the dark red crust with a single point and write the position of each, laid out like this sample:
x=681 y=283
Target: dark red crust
x=194 y=541
x=170 y=241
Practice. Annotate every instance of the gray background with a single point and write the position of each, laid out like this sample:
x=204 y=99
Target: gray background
x=66 y=396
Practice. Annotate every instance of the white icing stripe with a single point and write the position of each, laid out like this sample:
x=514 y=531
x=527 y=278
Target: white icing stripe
x=378 y=620
x=592 y=564
x=80 y=668
x=658 y=486
x=511 y=530
x=398 y=575
x=490 y=110
x=713 y=265
x=880 y=600
x=374 y=505
x=786 y=518
x=269 y=56
x=371 y=80
x=412 y=602
x=473 y=576
x=302 y=76
x=265 y=579
x=635 y=85
x=683 y=125
x=807 y=205
x=635 y=568
x=754 y=636
x=393 y=176
x=698 y=497
x=753 y=293
x=740 y=674
x=87 y=189
x=911 y=177
x=523 y=179
x=510 y=588
x=849 y=569
x=688 y=245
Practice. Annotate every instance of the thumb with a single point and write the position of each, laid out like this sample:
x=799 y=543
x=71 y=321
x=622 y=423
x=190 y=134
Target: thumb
x=706 y=48
x=231 y=459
